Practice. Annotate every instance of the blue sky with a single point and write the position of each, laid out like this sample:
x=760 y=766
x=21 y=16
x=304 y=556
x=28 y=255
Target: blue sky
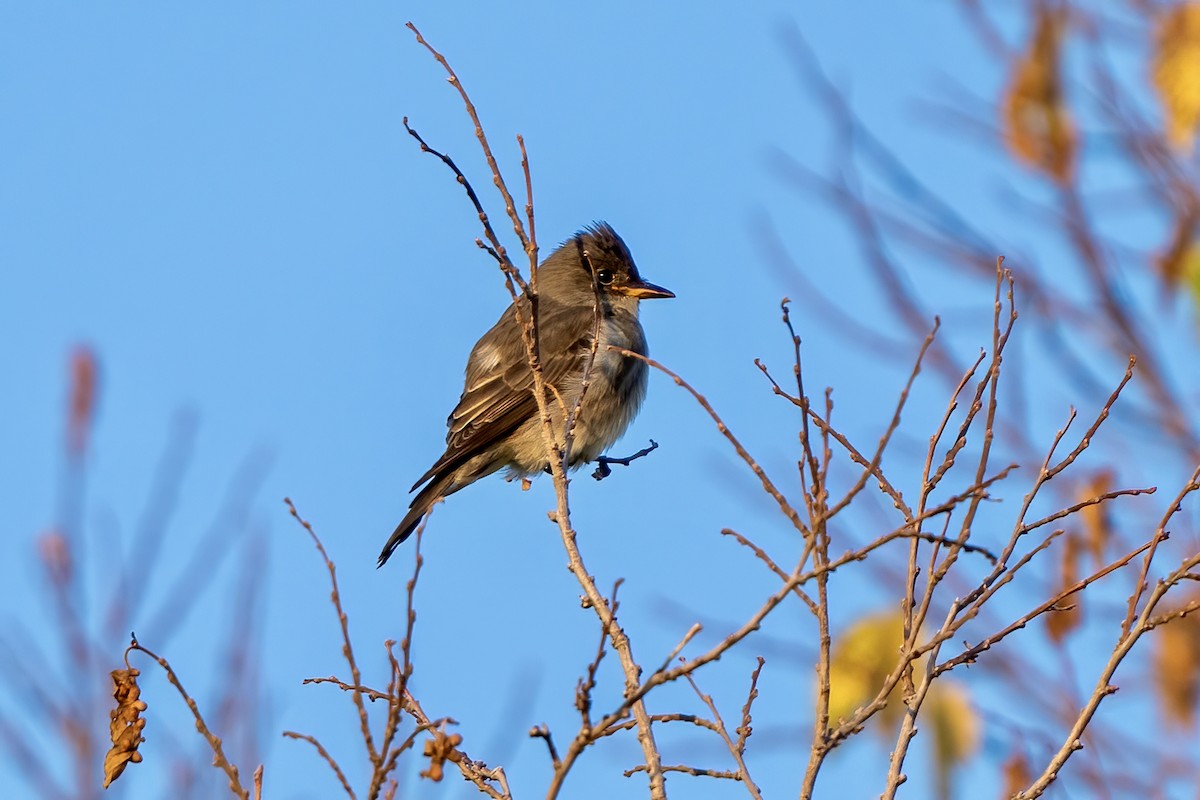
x=222 y=202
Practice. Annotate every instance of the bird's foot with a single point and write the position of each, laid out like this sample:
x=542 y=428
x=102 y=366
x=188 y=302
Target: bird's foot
x=603 y=470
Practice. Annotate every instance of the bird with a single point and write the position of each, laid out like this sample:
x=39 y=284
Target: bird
x=588 y=284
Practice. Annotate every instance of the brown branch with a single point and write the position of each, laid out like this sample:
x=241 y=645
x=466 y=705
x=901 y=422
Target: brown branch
x=971 y=654
x=981 y=592
x=347 y=646
x=543 y=732
x=691 y=719
x=737 y=750
x=788 y=510
x=699 y=772
x=1082 y=504
x=871 y=467
x=398 y=682
x=930 y=483
x=1086 y=439
x=761 y=555
x=509 y=205
x=583 y=689
x=664 y=676
x=220 y=761
x=341 y=776
x=495 y=249
x=531 y=246
x=1179 y=613
x=1125 y=643
x=1160 y=536
x=475 y=772
x=744 y=729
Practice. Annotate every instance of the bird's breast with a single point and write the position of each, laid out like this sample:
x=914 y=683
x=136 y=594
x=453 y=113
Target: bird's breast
x=617 y=386
x=623 y=333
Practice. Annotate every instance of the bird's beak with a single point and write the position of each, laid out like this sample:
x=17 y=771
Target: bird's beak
x=643 y=290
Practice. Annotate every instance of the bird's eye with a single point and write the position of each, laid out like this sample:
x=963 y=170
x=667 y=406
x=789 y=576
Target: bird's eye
x=605 y=276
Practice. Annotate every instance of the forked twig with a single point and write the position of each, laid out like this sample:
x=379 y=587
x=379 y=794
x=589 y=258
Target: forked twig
x=785 y=506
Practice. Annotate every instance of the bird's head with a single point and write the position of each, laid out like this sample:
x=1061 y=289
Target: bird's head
x=595 y=259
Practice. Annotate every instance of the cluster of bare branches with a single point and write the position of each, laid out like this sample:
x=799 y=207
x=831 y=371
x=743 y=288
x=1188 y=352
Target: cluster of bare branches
x=1070 y=112
x=933 y=556
x=1088 y=314
x=962 y=572
x=53 y=707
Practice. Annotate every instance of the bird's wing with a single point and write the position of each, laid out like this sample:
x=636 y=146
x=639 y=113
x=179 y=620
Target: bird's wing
x=498 y=395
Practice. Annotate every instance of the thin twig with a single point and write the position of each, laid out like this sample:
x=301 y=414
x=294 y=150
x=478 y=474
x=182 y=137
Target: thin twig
x=220 y=761
x=788 y=510
x=347 y=646
x=321 y=751
x=543 y=732
x=736 y=749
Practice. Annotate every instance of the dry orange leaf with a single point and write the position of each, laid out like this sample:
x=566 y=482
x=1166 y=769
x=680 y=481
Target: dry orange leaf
x=1017 y=775
x=1036 y=120
x=1097 y=528
x=1176 y=72
x=440 y=749
x=1177 y=669
x=125 y=725
x=1175 y=261
x=1061 y=622
x=55 y=551
x=83 y=398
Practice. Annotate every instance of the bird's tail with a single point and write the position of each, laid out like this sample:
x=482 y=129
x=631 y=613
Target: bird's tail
x=434 y=491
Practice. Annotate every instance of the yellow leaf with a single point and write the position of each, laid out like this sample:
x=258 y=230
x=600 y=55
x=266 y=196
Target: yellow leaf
x=862 y=658
x=1037 y=122
x=1176 y=71
x=955 y=730
x=1191 y=271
